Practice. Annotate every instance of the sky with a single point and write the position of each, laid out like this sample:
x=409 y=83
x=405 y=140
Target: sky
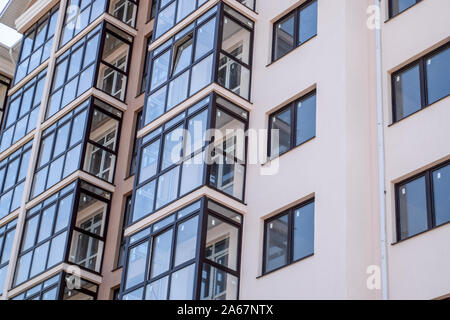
x=8 y=36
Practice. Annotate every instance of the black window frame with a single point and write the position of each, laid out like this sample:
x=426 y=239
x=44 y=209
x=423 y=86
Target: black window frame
x=421 y=62
x=123 y=242
x=146 y=63
x=35 y=85
x=292 y=106
x=391 y=13
x=431 y=217
x=290 y=245
x=48 y=41
x=171 y=222
x=297 y=43
x=6 y=82
x=6 y=230
x=88 y=106
x=134 y=156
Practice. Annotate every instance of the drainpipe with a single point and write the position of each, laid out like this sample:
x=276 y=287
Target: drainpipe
x=381 y=169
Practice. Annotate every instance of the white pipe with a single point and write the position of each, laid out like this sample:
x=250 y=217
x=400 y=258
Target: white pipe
x=381 y=169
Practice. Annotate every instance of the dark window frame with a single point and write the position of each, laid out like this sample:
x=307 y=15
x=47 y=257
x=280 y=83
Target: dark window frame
x=6 y=82
x=48 y=40
x=431 y=217
x=293 y=107
x=5 y=230
x=423 y=82
x=123 y=242
x=297 y=43
x=134 y=156
x=290 y=245
x=146 y=63
x=391 y=13
x=76 y=189
x=149 y=233
x=210 y=105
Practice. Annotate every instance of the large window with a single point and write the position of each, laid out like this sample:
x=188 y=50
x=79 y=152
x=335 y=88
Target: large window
x=165 y=262
x=293 y=125
x=421 y=83
x=81 y=13
x=294 y=29
x=36 y=45
x=76 y=68
x=5 y=83
x=69 y=226
x=86 y=138
x=7 y=233
x=423 y=202
x=289 y=237
x=13 y=172
x=172 y=158
x=188 y=62
x=21 y=115
x=171 y=12
x=398 y=6
x=56 y=288
x=74 y=72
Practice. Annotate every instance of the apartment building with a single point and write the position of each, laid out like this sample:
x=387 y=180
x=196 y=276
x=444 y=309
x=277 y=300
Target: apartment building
x=225 y=149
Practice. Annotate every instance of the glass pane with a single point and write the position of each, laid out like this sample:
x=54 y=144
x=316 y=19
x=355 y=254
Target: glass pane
x=155 y=105
x=276 y=247
x=30 y=233
x=407 y=92
x=46 y=223
x=438 y=76
x=172 y=147
x=186 y=241
x=303 y=231
x=218 y=284
x=227 y=176
x=178 y=90
x=192 y=173
x=196 y=128
x=182 y=284
x=401 y=5
x=135 y=295
x=137 y=259
x=8 y=243
x=308 y=22
x=441 y=193
x=284 y=36
x=162 y=247
x=64 y=213
x=222 y=243
x=413 y=208
x=104 y=130
x=39 y=259
x=149 y=161
x=23 y=268
x=144 y=199
x=281 y=132
x=91 y=215
x=236 y=40
x=57 y=250
x=86 y=251
x=205 y=39
x=201 y=74
x=185 y=7
x=234 y=76
x=160 y=70
x=306 y=119
x=165 y=19
x=157 y=290
x=100 y=162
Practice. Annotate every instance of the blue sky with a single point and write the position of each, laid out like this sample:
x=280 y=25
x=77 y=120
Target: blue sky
x=8 y=36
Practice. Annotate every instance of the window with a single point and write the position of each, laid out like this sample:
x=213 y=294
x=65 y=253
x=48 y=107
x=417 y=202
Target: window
x=21 y=115
x=65 y=142
x=398 y=6
x=146 y=60
x=248 y=3
x=45 y=235
x=163 y=262
x=114 y=64
x=74 y=72
x=188 y=62
x=56 y=288
x=7 y=233
x=172 y=158
x=36 y=45
x=126 y=215
x=423 y=202
x=13 y=173
x=172 y=12
x=152 y=10
x=294 y=29
x=134 y=155
x=293 y=125
x=5 y=83
x=421 y=83
x=124 y=10
x=289 y=237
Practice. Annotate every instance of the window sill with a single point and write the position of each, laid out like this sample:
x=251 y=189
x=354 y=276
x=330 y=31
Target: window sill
x=420 y=233
x=295 y=49
x=285 y=266
x=415 y=112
